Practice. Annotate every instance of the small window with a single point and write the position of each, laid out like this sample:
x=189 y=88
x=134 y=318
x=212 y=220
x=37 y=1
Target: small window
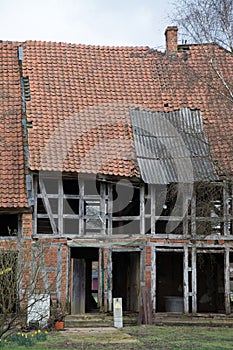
x=8 y=224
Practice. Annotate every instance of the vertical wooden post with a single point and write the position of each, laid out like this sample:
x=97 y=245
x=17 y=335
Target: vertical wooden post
x=153 y=278
x=152 y=188
x=59 y=273
x=35 y=181
x=81 y=207
x=227 y=280
x=103 y=207
x=109 y=280
x=100 y=279
x=194 y=280
x=110 y=208
x=105 y=284
x=193 y=214
x=142 y=210
x=186 y=280
x=60 y=206
x=226 y=223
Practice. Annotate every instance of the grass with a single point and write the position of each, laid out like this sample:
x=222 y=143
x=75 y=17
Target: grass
x=141 y=337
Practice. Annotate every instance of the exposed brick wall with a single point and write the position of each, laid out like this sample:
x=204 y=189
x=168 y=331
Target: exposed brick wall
x=27 y=225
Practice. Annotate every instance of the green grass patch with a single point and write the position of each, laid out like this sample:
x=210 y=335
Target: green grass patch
x=132 y=338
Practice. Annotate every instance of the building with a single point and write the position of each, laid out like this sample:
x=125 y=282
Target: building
x=119 y=160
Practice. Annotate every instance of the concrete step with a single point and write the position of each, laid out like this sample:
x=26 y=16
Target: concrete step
x=97 y=320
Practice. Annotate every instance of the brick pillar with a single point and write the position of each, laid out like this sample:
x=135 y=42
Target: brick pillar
x=171 y=34
x=148 y=266
x=27 y=225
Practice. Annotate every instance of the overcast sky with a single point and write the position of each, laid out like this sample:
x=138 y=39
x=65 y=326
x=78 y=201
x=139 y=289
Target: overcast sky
x=98 y=22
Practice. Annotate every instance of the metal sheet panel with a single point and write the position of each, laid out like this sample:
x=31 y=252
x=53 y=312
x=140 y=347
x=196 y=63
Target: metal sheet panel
x=171 y=147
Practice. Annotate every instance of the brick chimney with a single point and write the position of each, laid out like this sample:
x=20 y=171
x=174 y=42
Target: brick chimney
x=171 y=34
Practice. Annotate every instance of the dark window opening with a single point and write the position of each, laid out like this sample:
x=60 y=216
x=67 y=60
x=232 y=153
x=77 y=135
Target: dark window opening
x=8 y=225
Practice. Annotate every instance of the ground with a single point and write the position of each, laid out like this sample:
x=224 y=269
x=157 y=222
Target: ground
x=141 y=337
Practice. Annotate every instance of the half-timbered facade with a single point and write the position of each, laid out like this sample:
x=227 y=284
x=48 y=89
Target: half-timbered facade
x=119 y=161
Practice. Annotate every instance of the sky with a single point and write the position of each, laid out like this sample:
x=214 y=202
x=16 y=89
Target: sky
x=95 y=22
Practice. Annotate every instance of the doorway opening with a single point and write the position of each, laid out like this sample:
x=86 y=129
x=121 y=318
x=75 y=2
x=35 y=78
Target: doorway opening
x=84 y=292
x=126 y=279
x=210 y=282
x=169 y=286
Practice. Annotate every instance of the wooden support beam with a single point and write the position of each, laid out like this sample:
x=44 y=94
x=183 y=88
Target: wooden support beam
x=60 y=206
x=110 y=208
x=142 y=210
x=153 y=278
x=59 y=274
x=103 y=207
x=227 y=280
x=110 y=280
x=186 y=279
x=194 y=280
x=35 y=185
x=152 y=189
x=100 y=279
x=226 y=223
x=81 y=207
x=47 y=205
x=193 y=215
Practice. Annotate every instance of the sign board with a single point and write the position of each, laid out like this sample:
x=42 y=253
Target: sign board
x=38 y=309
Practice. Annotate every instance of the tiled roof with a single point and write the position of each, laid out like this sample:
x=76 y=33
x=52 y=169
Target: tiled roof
x=81 y=96
x=78 y=102
x=12 y=179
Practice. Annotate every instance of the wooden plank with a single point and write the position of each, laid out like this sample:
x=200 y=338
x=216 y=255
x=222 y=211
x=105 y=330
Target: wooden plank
x=81 y=207
x=186 y=279
x=142 y=210
x=59 y=274
x=225 y=210
x=68 y=269
x=47 y=205
x=78 y=299
x=60 y=206
x=145 y=313
x=110 y=208
x=103 y=207
x=100 y=280
x=227 y=280
x=194 y=280
x=35 y=185
x=152 y=189
x=153 y=278
x=193 y=215
x=109 y=280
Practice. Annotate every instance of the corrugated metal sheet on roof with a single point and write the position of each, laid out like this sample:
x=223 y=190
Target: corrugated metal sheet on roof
x=171 y=147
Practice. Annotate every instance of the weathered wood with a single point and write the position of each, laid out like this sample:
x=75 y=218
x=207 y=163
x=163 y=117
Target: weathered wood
x=153 y=278
x=227 y=280
x=78 y=299
x=100 y=280
x=68 y=268
x=226 y=223
x=142 y=210
x=186 y=279
x=194 y=280
x=109 y=269
x=47 y=205
x=81 y=207
x=152 y=189
x=59 y=274
x=110 y=208
x=35 y=218
x=145 y=313
x=60 y=206
x=193 y=215
x=103 y=207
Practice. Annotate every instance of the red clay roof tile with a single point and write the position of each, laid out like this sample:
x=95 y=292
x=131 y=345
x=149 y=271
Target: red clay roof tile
x=12 y=170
